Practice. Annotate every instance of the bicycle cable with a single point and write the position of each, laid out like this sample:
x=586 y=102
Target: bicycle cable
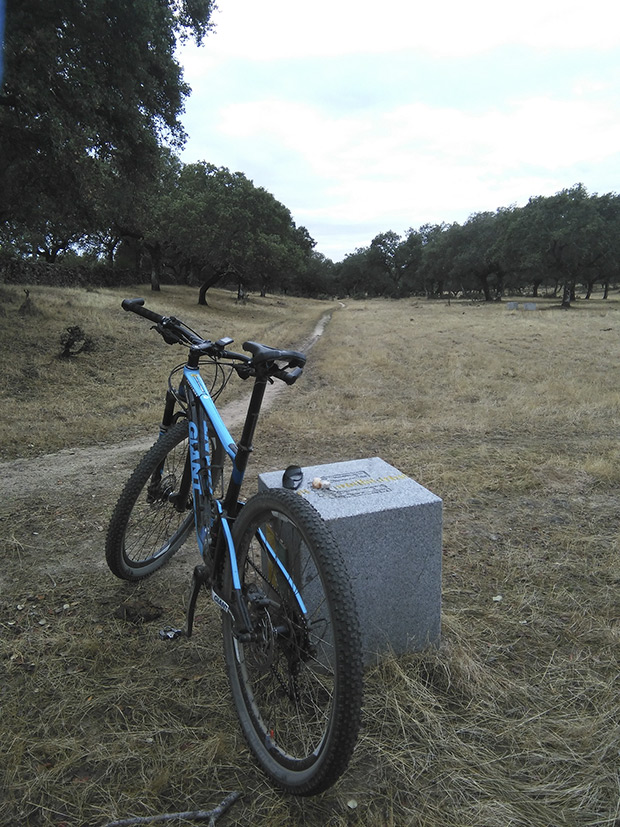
x=217 y=382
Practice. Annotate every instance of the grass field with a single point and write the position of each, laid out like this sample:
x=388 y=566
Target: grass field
x=511 y=417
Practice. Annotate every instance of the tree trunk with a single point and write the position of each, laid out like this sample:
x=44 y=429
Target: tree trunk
x=499 y=287
x=155 y=270
x=485 y=288
x=154 y=251
x=110 y=248
x=155 y=286
x=50 y=254
x=566 y=295
x=137 y=262
x=210 y=282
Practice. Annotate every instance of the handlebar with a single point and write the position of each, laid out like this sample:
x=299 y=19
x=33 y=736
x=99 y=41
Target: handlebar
x=137 y=306
x=263 y=361
x=171 y=329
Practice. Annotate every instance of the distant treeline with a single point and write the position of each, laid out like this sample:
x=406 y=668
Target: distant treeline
x=558 y=243
x=91 y=180
x=211 y=226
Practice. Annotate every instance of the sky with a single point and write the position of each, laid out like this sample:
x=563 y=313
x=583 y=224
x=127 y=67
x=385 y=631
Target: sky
x=363 y=117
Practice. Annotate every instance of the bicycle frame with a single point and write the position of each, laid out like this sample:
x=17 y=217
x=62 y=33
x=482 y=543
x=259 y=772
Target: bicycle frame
x=214 y=517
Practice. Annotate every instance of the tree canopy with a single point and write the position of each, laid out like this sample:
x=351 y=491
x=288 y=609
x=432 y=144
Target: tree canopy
x=207 y=223
x=90 y=132
x=92 y=92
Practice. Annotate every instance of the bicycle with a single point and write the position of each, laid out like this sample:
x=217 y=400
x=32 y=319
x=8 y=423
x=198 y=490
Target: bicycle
x=291 y=636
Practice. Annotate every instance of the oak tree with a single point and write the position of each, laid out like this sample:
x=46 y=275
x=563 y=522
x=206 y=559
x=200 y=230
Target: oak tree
x=92 y=91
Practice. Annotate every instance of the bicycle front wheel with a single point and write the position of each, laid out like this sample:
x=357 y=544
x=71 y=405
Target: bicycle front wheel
x=297 y=686
x=146 y=528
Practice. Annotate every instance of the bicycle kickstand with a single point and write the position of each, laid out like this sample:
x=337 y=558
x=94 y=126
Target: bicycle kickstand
x=200 y=578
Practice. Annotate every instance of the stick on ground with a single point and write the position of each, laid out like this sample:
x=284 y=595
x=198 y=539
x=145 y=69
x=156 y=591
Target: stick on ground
x=190 y=815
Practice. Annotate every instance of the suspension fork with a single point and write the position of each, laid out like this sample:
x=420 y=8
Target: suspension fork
x=179 y=497
x=168 y=417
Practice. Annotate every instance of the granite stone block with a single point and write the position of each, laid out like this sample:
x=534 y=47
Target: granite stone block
x=389 y=529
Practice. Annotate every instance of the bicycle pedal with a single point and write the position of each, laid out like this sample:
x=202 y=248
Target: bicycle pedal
x=170 y=633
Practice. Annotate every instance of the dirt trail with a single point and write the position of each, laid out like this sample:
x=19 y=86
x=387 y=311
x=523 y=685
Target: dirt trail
x=39 y=475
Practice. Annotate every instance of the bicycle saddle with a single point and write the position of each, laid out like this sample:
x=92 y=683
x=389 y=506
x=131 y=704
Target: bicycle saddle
x=263 y=353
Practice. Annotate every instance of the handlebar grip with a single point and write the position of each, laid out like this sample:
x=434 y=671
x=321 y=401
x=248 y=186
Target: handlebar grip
x=288 y=376
x=137 y=306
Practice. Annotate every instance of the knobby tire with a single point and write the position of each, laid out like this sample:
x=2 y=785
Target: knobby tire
x=146 y=530
x=298 y=687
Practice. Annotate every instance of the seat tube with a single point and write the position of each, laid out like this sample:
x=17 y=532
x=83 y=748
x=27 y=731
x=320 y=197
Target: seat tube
x=244 y=446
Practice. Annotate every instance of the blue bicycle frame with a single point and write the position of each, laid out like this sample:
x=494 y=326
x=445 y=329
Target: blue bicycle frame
x=214 y=517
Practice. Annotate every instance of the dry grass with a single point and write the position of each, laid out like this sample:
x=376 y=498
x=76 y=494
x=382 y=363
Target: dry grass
x=103 y=395
x=511 y=417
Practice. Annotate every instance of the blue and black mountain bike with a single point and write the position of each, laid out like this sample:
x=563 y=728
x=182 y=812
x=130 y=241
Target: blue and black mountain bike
x=290 y=630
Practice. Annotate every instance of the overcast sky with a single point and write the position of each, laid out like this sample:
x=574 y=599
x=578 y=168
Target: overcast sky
x=363 y=117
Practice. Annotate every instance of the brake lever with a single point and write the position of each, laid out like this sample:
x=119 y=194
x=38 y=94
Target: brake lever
x=167 y=335
x=244 y=371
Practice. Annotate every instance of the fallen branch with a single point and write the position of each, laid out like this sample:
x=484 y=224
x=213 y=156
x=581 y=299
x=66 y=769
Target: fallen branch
x=190 y=815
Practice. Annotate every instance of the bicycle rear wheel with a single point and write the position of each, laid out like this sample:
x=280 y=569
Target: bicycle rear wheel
x=298 y=687
x=146 y=528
